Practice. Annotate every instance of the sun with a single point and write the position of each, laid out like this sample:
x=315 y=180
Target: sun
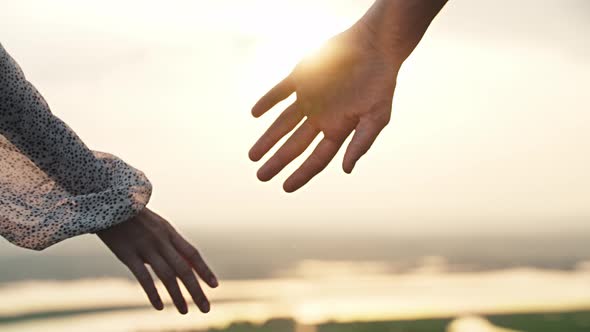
x=283 y=43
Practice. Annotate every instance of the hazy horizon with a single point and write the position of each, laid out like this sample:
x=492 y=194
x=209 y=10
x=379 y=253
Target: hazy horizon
x=255 y=254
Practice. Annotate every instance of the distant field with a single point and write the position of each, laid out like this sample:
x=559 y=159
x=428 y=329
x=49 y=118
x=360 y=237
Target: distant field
x=553 y=322
x=532 y=322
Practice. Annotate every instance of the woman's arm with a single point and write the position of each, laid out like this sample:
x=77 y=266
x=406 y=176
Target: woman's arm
x=52 y=187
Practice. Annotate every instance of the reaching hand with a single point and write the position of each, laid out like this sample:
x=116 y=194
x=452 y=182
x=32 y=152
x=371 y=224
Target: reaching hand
x=149 y=239
x=348 y=85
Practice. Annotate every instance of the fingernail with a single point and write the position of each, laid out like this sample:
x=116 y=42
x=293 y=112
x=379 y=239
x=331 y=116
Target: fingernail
x=214 y=282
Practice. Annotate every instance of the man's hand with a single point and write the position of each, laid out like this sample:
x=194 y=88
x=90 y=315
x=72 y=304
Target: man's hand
x=149 y=239
x=347 y=86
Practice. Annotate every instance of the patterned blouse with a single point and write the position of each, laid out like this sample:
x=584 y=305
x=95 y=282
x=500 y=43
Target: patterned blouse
x=52 y=187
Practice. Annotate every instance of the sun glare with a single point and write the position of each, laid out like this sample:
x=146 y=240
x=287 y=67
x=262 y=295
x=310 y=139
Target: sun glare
x=286 y=39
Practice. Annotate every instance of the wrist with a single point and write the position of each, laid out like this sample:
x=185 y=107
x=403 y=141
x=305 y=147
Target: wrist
x=395 y=27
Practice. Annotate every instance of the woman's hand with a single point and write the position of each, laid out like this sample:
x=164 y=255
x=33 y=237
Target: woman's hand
x=348 y=85
x=149 y=239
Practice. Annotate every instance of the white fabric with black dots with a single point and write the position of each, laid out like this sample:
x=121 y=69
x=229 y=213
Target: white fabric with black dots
x=52 y=187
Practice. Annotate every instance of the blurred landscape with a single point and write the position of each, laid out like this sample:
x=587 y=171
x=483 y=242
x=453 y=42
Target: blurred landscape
x=256 y=253
x=541 y=322
x=320 y=281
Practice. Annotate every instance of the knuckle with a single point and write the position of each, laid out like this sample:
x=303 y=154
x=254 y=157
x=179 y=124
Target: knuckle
x=155 y=225
x=126 y=259
x=162 y=241
x=203 y=268
x=178 y=262
x=284 y=117
x=145 y=238
x=298 y=111
x=194 y=255
x=145 y=241
x=316 y=163
x=167 y=276
x=135 y=265
x=382 y=116
x=281 y=157
x=383 y=119
x=185 y=273
x=360 y=153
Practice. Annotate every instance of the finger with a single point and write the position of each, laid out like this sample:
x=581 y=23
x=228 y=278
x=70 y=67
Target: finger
x=168 y=277
x=192 y=255
x=294 y=147
x=185 y=272
x=365 y=134
x=314 y=164
x=281 y=91
x=281 y=127
x=189 y=252
x=141 y=273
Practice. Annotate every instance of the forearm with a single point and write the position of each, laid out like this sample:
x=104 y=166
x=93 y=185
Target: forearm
x=27 y=122
x=52 y=186
x=397 y=26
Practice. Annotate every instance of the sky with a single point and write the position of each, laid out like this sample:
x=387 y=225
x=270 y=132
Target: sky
x=489 y=132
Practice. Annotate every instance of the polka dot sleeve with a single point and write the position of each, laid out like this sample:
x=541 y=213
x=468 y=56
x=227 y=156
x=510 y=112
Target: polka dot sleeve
x=52 y=187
